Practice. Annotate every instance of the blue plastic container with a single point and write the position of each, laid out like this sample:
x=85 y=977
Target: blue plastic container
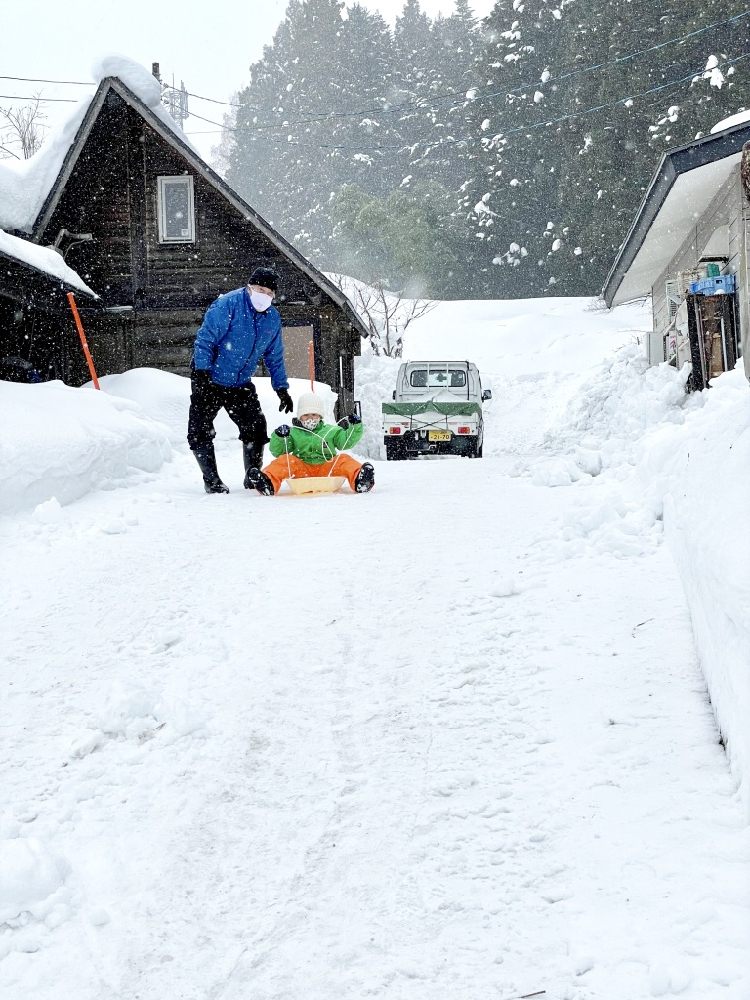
x=724 y=284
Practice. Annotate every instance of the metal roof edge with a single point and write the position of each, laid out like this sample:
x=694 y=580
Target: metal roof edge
x=674 y=162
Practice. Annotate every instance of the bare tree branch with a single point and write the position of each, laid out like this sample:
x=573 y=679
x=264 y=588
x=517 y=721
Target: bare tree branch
x=387 y=314
x=23 y=129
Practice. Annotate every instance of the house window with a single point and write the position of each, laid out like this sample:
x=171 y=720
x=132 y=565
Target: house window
x=176 y=209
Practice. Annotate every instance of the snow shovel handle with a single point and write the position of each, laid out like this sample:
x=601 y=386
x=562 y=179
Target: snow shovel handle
x=82 y=335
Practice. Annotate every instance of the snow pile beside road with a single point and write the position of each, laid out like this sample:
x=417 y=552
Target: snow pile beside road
x=59 y=443
x=701 y=472
x=374 y=382
x=681 y=463
x=166 y=398
x=609 y=414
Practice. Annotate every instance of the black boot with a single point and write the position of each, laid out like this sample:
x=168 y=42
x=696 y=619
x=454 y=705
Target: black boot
x=251 y=459
x=257 y=480
x=206 y=459
x=365 y=479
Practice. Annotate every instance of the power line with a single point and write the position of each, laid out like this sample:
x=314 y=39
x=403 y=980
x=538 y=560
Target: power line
x=423 y=104
x=42 y=100
x=33 y=79
x=473 y=138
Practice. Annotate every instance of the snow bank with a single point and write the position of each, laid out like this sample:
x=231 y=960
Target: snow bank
x=166 y=398
x=374 y=382
x=682 y=463
x=605 y=420
x=702 y=472
x=59 y=443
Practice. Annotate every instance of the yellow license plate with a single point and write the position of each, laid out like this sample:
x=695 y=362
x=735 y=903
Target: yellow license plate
x=440 y=435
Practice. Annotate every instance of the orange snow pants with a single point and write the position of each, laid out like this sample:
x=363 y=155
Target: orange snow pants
x=278 y=470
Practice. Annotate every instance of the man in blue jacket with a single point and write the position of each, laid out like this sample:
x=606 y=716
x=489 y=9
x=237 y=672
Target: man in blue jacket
x=239 y=329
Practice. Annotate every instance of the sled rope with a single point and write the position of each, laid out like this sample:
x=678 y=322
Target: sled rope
x=323 y=445
x=346 y=443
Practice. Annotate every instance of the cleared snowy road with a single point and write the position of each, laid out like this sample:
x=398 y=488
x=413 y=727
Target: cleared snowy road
x=395 y=745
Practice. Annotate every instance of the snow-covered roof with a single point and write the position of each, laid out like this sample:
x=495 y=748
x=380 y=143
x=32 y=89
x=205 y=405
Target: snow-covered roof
x=26 y=184
x=43 y=259
x=685 y=181
x=738 y=119
x=30 y=189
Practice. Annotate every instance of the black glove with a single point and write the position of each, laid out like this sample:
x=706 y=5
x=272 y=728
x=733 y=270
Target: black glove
x=202 y=377
x=343 y=424
x=354 y=418
x=285 y=403
x=283 y=431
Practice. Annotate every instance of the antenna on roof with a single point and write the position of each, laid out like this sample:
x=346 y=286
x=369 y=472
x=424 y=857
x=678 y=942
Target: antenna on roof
x=175 y=101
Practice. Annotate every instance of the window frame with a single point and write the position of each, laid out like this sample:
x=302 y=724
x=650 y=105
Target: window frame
x=162 y=182
x=449 y=372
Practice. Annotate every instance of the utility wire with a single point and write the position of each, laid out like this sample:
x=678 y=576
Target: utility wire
x=33 y=79
x=423 y=104
x=42 y=100
x=473 y=138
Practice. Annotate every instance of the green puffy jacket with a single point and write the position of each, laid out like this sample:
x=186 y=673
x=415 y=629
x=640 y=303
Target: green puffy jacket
x=318 y=446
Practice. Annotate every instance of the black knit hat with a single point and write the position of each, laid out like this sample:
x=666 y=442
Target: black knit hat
x=266 y=277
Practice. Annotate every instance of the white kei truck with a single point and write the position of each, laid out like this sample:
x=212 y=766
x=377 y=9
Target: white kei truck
x=436 y=410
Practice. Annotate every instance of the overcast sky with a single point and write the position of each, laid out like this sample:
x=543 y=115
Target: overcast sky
x=207 y=43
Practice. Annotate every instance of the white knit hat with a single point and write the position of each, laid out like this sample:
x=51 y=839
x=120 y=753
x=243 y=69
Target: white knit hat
x=310 y=403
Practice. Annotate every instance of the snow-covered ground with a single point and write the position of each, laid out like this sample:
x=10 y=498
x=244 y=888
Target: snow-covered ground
x=449 y=739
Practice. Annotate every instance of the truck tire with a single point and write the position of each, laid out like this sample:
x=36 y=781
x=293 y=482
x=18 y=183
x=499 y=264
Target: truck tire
x=394 y=451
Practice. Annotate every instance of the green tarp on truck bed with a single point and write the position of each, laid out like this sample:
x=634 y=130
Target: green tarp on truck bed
x=463 y=408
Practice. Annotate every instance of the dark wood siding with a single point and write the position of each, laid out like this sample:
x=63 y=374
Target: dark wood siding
x=96 y=201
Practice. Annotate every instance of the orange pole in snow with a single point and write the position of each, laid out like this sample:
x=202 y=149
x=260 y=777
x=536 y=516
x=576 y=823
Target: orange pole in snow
x=82 y=335
x=311 y=351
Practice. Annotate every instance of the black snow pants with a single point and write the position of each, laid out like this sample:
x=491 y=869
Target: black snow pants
x=242 y=406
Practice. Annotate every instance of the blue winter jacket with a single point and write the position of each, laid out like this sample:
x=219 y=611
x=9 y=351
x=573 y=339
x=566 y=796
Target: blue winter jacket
x=233 y=339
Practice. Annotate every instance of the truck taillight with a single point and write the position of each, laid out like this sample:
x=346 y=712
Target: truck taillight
x=394 y=430
x=464 y=430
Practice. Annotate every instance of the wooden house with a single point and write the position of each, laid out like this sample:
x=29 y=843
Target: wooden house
x=688 y=247
x=158 y=235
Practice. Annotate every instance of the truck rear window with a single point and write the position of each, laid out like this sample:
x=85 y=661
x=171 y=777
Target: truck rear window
x=437 y=378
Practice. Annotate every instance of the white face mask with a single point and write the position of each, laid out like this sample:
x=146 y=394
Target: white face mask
x=310 y=424
x=260 y=300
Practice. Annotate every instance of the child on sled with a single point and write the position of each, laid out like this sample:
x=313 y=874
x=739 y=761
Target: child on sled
x=309 y=448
